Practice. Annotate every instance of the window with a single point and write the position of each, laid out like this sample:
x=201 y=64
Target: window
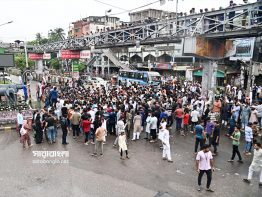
x=131 y=75
x=145 y=77
x=139 y=76
x=136 y=75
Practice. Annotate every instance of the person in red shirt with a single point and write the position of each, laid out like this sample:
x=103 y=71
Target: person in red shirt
x=86 y=125
x=179 y=117
x=186 y=122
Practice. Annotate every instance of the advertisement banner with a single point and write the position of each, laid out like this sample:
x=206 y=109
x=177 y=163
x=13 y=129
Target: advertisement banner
x=11 y=116
x=35 y=56
x=203 y=47
x=165 y=66
x=85 y=54
x=47 y=56
x=75 y=71
x=69 y=54
x=2 y=51
x=241 y=49
x=7 y=60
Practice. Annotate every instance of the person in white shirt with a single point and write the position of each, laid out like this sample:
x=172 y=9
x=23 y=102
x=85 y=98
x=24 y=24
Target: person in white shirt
x=239 y=95
x=148 y=124
x=20 y=120
x=166 y=145
x=194 y=117
x=153 y=128
x=205 y=164
x=256 y=165
x=120 y=127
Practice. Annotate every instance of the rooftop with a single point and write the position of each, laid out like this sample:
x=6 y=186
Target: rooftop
x=150 y=9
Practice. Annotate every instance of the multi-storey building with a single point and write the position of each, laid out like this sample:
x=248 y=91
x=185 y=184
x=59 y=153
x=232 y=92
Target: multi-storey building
x=93 y=24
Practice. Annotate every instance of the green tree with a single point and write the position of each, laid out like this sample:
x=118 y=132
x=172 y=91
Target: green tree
x=55 y=35
x=20 y=62
x=55 y=64
x=39 y=40
x=81 y=67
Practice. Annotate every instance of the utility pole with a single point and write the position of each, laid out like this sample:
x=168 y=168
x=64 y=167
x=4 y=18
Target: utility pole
x=176 y=15
x=249 y=74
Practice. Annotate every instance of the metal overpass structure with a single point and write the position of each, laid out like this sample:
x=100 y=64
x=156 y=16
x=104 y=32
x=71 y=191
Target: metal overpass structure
x=232 y=22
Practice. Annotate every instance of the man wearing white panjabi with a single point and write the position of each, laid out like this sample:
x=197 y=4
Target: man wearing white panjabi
x=120 y=127
x=166 y=146
x=256 y=165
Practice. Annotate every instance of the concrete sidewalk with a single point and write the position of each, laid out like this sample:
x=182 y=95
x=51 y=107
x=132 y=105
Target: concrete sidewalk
x=7 y=127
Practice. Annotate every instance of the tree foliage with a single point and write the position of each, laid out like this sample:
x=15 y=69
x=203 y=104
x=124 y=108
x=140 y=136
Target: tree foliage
x=55 y=64
x=81 y=67
x=20 y=62
x=54 y=35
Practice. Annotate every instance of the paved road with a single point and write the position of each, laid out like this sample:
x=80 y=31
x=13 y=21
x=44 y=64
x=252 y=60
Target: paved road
x=145 y=174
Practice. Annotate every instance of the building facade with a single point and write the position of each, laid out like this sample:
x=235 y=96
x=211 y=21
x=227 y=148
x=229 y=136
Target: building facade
x=150 y=15
x=91 y=25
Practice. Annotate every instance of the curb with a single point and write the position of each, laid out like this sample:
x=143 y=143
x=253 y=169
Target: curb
x=7 y=128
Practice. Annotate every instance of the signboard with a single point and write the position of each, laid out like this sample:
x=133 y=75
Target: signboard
x=11 y=116
x=35 y=56
x=2 y=50
x=75 y=68
x=203 y=47
x=47 y=56
x=163 y=66
x=7 y=60
x=241 y=49
x=75 y=71
x=85 y=54
x=69 y=54
x=134 y=49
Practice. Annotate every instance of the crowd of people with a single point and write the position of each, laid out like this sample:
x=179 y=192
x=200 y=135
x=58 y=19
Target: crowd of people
x=152 y=113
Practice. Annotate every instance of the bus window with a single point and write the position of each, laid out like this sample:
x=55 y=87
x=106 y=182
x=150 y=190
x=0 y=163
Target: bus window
x=145 y=77
x=155 y=78
x=139 y=76
x=132 y=75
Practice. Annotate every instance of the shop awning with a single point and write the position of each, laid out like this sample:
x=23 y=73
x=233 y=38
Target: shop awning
x=199 y=73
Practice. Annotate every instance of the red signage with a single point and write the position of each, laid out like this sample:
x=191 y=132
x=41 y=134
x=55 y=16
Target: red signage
x=68 y=54
x=35 y=56
x=163 y=66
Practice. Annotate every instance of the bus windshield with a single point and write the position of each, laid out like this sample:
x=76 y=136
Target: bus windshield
x=154 y=77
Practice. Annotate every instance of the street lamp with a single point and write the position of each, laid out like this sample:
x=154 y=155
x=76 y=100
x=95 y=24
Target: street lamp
x=25 y=48
x=106 y=19
x=6 y=23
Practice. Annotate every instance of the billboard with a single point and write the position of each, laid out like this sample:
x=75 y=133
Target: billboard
x=7 y=60
x=47 y=56
x=75 y=70
x=2 y=50
x=35 y=56
x=69 y=54
x=204 y=47
x=241 y=49
x=85 y=54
